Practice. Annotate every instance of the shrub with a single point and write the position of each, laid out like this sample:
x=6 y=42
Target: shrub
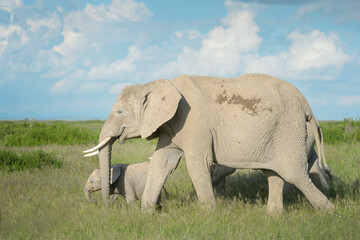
x=34 y=133
x=10 y=161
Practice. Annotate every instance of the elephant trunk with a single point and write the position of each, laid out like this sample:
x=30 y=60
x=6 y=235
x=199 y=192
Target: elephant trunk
x=87 y=193
x=105 y=163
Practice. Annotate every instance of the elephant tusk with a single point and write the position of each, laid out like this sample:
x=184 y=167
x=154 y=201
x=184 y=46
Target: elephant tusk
x=98 y=146
x=92 y=154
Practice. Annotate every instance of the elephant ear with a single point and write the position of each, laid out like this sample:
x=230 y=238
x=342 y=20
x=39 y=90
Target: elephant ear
x=160 y=105
x=115 y=173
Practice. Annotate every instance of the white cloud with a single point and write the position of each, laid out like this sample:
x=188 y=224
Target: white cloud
x=62 y=86
x=118 y=10
x=88 y=31
x=78 y=74
x=72 y=42
x=224 y=48
x=93 y=19
x=188 y=34
x=315 y=50
x=67 y=83
x=59 y=9
x=3 y=45
x=87 y=63
x=116 y=69
x=9 y=5
x=231 y=49
x=7 y=31
x=6 y=34
x=311 y=56
x=349 y=101
x=52 y=23
x=117 y=88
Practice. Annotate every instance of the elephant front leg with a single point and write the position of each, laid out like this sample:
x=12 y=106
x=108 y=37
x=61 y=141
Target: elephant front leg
x=199 y=170
x=164 y=160
x=276 y=186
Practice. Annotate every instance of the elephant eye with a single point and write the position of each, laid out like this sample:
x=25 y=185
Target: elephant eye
x=119 y=111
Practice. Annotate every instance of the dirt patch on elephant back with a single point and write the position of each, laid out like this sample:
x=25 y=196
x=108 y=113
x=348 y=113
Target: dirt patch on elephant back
x=247 y=104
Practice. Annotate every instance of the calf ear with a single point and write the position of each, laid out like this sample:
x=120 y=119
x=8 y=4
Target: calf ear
x=160 y=104
x=115 y=173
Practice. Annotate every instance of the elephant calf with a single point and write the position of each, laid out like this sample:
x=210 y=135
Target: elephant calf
x=127 y=180
x=218 y=175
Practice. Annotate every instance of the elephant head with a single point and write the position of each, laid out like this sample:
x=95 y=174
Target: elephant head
x=93 y=183
x=139 y=111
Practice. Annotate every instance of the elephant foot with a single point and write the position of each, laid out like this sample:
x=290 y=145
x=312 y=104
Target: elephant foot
x=328 y=208
x=112 y=199
x=148 y=207
x=274 y=210
x=276 y=188
x=208 y=205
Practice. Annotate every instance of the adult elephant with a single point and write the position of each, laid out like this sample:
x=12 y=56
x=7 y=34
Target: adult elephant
x=253 y=121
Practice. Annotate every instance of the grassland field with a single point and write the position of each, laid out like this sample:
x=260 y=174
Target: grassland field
x=48 y=202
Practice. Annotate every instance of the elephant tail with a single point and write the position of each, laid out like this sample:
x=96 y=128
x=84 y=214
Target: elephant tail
x=319 y=143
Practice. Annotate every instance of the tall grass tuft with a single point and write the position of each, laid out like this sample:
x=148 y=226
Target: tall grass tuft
x=336 y=132
x=34 y=133
x=10 y=161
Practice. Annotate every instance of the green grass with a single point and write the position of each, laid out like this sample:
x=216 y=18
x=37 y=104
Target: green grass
x=337 y=132
x=10 y=161
x=34 y=133
x=49 y=203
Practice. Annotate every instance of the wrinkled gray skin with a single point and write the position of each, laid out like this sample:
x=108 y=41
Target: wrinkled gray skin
x=253 y=121
x=130 y=182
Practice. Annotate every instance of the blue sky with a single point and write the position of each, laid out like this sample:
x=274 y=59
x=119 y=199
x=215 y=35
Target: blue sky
x=69 y=60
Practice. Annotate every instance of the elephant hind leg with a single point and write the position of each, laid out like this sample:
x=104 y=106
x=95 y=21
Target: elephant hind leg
x=316 y=174
x=314 y=195
x=310 y=182
x=301 y=180
x=320 y=182
x=275 y=198
x=291 y=162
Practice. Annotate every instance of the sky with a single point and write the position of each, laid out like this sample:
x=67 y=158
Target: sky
x=69 y=60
